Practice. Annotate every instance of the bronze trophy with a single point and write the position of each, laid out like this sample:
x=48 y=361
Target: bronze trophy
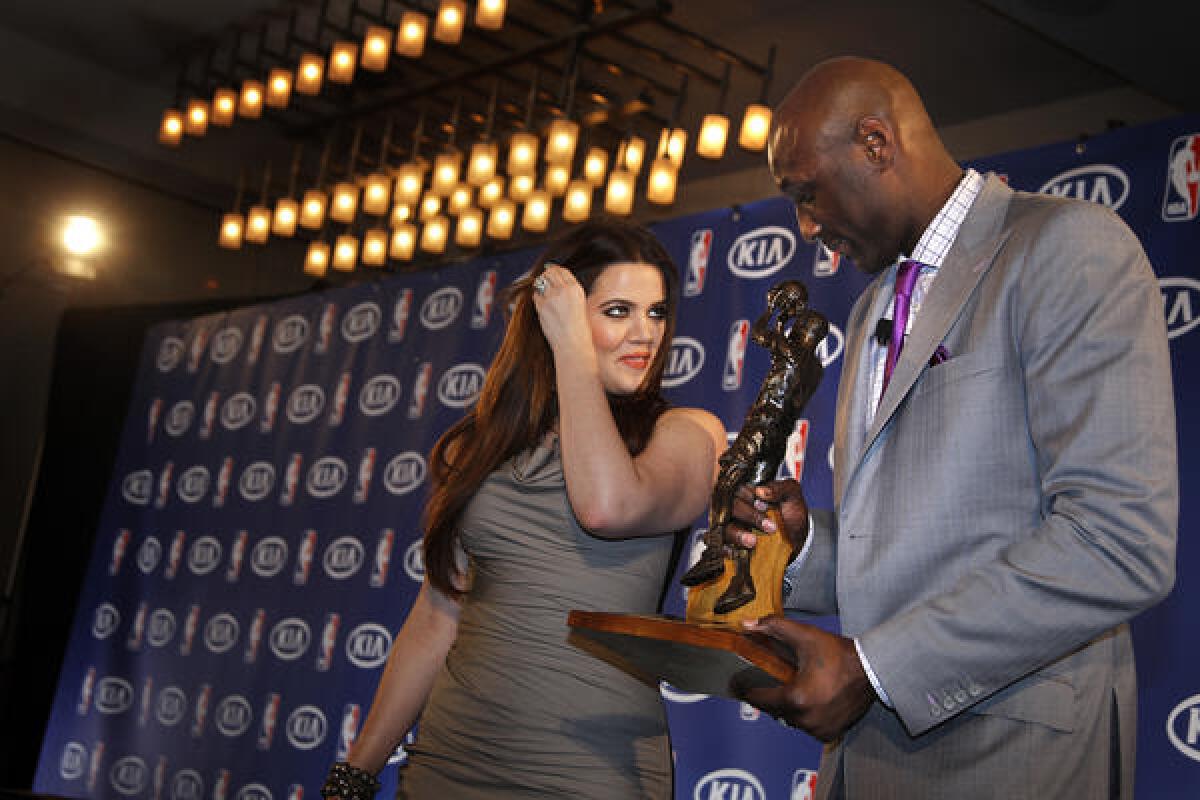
x=703 y=652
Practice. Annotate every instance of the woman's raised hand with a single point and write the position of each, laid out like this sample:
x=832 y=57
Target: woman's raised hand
x=561 y=306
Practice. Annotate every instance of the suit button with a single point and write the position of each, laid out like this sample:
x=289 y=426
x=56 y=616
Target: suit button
x=960 y=696
x=948 y=704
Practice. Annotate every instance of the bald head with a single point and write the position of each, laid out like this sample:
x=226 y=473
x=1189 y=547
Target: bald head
x=858 y=129
x=827 y=104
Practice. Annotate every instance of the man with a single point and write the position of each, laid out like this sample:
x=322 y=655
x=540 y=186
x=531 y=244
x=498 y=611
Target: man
x=1005 y=483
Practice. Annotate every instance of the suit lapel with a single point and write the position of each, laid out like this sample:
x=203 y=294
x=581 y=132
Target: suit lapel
x=975 y=247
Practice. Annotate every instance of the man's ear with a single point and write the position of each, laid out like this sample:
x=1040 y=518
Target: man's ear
x=874 y=135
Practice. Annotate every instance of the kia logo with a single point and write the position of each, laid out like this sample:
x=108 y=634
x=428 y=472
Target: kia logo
x=367 y=645
x=171 y=706
x=1183 y=727
x=161 y=628
x=414 y=561
x=105 y=621
x=257 y=481
x=179 y=418
x=441 y=308
x=238 y=410
x=170 y=353
x=138 y=487
x=326 y=477
x=306 y=727
x=460 y=385
x=74 y=758
x=343 y=558
x=204 y=555
x=290 y=638
x=187 y=785
x=761 y=252
x=305 y=403
x=128 y=775
x=829 y=348
x=361 y=322
x=233 y=716
x=149 y=554
x=1098 y=183
x=684 y=362
x=221 y=632
x=1181 y=300
x=404 y=473
x=379 y=396
x=675 y=696
x=225 y=345
x=729 y=783
x=253 y=791
x=113 y=695
x=268 y=557
x=192 y=484
x=289 y=333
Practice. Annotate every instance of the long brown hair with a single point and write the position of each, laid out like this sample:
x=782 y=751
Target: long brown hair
x=517 y=404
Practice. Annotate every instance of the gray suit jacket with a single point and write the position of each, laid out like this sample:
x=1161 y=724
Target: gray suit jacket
x=1005 y=514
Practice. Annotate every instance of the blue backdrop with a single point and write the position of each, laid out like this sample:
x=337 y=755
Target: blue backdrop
x=259 y=543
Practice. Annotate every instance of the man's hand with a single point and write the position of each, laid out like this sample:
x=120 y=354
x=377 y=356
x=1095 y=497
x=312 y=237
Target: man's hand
x=750 y=505
x=829 y=692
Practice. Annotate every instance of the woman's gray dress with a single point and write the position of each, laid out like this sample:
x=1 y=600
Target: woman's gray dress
x=517 y=711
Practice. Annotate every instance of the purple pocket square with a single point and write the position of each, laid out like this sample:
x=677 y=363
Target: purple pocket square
x=939 y=356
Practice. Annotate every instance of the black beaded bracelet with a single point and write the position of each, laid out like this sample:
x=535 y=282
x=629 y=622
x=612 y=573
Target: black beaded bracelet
x=349 y=783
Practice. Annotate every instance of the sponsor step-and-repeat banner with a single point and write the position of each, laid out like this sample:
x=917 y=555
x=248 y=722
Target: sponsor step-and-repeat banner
x=259 y=545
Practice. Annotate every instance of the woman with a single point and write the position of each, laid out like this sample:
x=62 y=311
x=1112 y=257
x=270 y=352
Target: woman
x=558 y=492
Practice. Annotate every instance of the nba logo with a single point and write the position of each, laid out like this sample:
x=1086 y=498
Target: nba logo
x=400 y=316
x=804 y=784
x=797 y=445
x=485 y=298
x=1180 y=198
x=735 y=356
x=325 y=328
x=350 y=718
x=420 y=389
x=825 y=261
x=697 y=266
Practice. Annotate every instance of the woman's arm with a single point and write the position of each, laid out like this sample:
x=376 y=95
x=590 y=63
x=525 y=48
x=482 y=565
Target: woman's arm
x=663 y=488
x=417 y=654
x=612 y=493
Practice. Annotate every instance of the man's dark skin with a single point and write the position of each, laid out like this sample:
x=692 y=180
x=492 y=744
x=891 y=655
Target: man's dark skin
x=854 y=149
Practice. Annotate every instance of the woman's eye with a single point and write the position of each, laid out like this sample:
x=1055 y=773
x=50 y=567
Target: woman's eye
x=616 y=311
x=658 y=312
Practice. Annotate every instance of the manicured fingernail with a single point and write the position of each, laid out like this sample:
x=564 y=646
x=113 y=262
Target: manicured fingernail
x=768 y=525
x=748 y=540
x=760 y=505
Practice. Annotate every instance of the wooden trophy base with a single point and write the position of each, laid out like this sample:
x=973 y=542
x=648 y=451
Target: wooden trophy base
x=707 y=651
x=699 y=657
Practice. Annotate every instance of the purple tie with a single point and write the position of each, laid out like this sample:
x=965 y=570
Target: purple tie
x=906 y=278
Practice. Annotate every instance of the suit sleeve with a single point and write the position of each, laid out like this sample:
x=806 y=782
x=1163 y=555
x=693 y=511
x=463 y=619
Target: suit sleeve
x=1087 y=322
x=810 y=583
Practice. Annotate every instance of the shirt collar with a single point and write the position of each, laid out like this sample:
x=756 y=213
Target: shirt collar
x=935 y=242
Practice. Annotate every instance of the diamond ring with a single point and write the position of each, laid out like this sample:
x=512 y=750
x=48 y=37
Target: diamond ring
x=539 y=284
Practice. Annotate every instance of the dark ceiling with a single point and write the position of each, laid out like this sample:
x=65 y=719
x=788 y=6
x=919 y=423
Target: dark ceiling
x=90 y=79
